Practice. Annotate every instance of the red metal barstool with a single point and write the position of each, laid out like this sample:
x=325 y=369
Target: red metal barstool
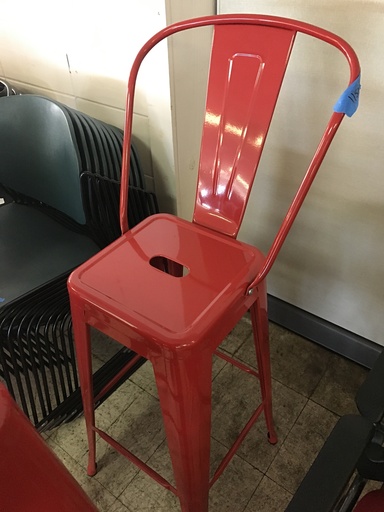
x=32 y=479
x=171 y=290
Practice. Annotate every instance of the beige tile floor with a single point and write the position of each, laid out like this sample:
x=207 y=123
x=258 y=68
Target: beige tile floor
x=312 y=388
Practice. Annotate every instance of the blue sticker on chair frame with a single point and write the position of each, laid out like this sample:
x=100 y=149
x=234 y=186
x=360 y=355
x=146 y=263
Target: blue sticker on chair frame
x=349 y=100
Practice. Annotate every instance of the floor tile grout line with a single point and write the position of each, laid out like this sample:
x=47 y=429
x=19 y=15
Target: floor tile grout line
x=242 y=360
x=324 y=372
x=279 y=484
x=77 y=463
x=284 y=440
x=330 y=410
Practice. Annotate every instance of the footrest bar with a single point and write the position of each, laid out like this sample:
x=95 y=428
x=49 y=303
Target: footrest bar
x=117 y=377
x=239 y=365
x=231 y=452
x=135 y=460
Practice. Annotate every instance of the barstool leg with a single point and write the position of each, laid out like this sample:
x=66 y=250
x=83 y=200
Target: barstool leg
x=259 y=316
x=82 y=337
x=184 y=387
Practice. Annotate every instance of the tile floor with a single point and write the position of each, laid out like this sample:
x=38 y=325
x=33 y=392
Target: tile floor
x=312 y=388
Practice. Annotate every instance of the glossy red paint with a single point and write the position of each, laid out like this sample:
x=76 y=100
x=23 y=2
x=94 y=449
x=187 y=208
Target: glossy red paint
x=371 y=502
x=32 y=479
x=177 y=320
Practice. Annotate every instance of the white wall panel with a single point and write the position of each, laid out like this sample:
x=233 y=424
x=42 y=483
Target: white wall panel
x=189 y=58
x=332 y=264
x=81 y=53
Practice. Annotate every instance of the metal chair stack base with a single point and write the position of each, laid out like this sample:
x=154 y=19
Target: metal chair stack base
x=37 y=359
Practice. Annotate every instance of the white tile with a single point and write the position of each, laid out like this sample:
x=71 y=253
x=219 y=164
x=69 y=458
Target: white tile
x=100 y=496
x=145 y=495
x=235 y=487
x=34 y=52
x=144 y=378
x=119 y=507
x=106 y=113
x=99 y=89
x=27 y=88
x=72 y=438
x=138 y=428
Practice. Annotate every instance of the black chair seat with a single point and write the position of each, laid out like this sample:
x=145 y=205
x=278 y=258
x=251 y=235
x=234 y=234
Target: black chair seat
x=325 y=482
x=354 y=447
x=37 y=249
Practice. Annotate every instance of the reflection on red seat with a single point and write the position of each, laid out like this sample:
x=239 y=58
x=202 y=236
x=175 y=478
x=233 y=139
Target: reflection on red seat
x=171 y=290
x=32 y=479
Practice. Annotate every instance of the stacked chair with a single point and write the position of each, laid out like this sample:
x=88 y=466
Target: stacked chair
x=6 y=89
x=59 y=190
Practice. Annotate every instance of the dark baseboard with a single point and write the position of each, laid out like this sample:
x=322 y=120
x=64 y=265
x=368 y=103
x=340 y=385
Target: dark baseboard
x=318 y=330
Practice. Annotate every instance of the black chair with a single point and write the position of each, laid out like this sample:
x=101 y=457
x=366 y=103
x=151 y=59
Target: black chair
x=59 y=190
x=352 y=455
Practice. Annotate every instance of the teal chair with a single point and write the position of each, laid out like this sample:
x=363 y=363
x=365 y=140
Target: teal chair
x=59 y=189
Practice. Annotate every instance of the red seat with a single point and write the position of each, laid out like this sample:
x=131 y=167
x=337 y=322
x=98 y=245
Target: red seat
x=171 y=290
x=371 y=502
x=32 y=479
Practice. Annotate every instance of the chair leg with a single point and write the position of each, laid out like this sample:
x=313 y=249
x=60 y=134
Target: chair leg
x=259 y=316
x=184 y=387
x=82 y=338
